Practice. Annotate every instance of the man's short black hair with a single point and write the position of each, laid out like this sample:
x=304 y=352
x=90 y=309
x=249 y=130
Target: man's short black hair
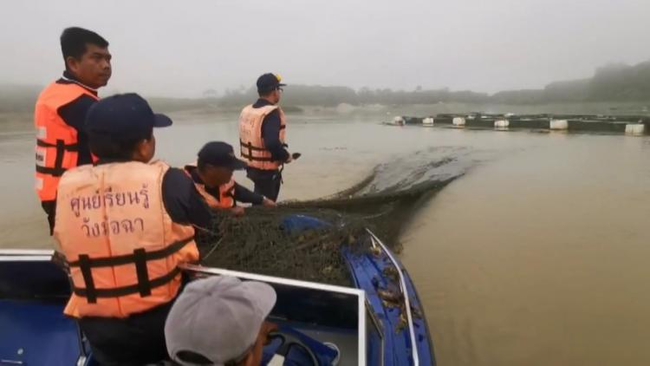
x=75 y=39
x=106 y=147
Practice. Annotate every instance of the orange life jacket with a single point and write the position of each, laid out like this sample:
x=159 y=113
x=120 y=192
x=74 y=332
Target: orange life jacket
x=226 y=192
x=122 y=246
x=252 y=146
x=57 y=145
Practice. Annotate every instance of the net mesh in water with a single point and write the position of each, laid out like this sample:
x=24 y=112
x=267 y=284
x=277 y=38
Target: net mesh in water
x=261 y=241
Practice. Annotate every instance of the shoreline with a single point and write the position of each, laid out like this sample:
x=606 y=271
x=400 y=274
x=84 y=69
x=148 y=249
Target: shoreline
x=22 y=122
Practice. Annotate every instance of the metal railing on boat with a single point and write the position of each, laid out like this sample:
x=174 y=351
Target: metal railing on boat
x=407 y=303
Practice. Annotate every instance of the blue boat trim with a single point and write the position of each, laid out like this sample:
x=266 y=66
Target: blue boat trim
x=423 y=346
x=389 y=289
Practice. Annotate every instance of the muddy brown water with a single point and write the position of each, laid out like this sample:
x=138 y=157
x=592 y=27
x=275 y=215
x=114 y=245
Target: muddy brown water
x=537 y=255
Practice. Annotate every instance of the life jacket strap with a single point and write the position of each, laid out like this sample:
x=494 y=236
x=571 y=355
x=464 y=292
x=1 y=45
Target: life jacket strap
x=121 y=260
x=61 y=148
x=92 y=294
x=139 y=258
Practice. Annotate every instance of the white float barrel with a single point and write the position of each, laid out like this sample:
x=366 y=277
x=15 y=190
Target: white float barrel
x=398 y=120
x=634 y=129
x=458 y=121
x=428 y=121
x=559 y=124
x=501 y=123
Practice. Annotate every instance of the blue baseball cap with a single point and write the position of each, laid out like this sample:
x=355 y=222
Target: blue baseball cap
x=268 y=82
x=220 y=154
x=124 y=117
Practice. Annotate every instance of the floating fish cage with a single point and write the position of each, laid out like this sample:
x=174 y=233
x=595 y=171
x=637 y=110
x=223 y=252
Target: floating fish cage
x=633 y=125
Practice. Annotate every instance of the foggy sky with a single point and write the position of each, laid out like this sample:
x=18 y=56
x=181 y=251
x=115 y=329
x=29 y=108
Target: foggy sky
x=180 y=48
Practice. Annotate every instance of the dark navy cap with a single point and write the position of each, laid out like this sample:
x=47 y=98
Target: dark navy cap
x=124 y=117
x=268 y=82
x=221 y=154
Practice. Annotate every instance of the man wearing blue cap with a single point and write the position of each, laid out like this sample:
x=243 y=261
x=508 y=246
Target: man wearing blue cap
x=125 y=225
x=262 y=137
x=212 y=174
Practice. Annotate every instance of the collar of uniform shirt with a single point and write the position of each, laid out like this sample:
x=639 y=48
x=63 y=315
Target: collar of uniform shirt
x=261 y=102
x=195 y=176
x=112 y=160
x=70 y=78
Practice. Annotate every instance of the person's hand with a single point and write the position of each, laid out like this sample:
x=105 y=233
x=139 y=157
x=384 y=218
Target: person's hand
x=292 y=157
x=59 y=259
x=267 y=328
x=238 y=211
x=255 y=357
x=268 y=203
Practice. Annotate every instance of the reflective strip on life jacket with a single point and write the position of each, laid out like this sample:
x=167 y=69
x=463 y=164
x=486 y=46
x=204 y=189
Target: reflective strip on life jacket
x=60 y=149
x=57 y=148
x=251 y=143
x=122 y=246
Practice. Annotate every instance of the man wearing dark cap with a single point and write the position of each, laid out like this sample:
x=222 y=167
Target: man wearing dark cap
x=212 y=174
x=125 y=225
x=262 y=137
x=60 y=111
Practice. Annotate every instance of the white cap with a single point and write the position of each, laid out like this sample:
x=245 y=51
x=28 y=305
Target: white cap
x=218 y=318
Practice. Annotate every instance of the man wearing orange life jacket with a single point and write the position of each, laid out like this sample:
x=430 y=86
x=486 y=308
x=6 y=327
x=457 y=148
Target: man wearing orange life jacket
x=212 y=174
x=60 y=111
x=262 y=137
x=124 y=226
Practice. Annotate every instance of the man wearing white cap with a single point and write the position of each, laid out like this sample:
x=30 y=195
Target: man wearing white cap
x=219 y=321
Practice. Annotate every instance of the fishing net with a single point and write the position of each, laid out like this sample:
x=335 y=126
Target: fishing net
x=263 y=242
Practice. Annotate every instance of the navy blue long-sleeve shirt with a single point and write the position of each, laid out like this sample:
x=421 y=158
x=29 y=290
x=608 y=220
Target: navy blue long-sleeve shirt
x=183 y=202
x=74 y=115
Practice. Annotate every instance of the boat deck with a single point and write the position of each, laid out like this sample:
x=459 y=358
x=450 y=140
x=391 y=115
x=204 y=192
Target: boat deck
x=36 y=333
x=345 y=340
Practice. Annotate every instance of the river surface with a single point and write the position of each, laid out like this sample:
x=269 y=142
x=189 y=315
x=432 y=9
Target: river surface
x=537 y=255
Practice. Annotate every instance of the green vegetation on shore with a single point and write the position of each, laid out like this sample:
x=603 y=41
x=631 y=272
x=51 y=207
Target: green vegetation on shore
x=612 y=83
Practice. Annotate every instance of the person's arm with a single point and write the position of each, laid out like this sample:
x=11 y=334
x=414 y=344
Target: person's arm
x=271 y=136
x=243 y=194
x=74 y=115
x=183 y=202
x=185 y=205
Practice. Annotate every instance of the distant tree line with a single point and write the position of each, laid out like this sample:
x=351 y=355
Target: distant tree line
x=610 y=83
x=616 y=82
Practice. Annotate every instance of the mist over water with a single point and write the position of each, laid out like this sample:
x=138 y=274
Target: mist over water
x=177 y=49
